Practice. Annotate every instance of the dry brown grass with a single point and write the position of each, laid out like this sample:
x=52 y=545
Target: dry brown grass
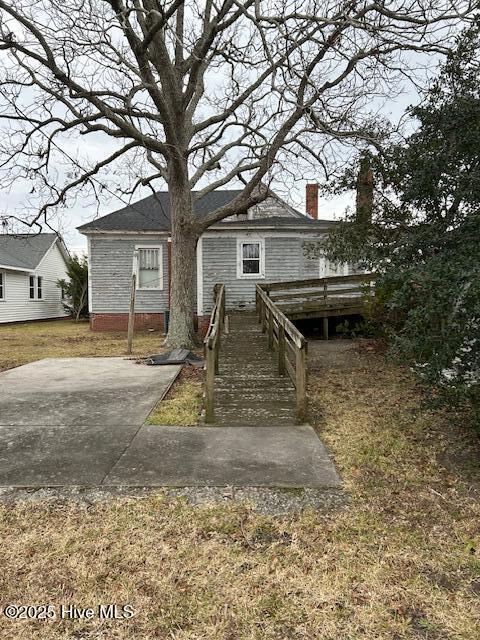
x=183 y=403
x=400 y=562
x=29 y=341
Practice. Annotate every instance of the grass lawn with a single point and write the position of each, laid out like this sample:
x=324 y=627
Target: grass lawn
x=401 y=561
x=29 y=341
x=182 y=405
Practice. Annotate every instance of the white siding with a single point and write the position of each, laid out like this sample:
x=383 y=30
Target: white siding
x=17 y=305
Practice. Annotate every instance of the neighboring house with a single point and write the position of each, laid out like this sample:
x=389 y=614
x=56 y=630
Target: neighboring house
x=30 y=265
x=269 y=243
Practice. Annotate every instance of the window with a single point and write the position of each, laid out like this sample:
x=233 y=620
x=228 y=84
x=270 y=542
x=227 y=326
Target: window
x=250 y=259
x=2 y=285
x=35 y=287
x=150 y=271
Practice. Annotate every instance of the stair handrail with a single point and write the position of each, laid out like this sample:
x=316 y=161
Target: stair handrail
x=283 y=334
x=211 y=350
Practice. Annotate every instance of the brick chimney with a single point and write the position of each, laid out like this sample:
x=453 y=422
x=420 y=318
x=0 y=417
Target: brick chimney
x=311 y=200
x=364 y=202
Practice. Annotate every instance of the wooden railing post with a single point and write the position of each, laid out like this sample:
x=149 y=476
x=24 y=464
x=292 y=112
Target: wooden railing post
x=301 y=382
x=209 y=386
x=211 y=349
x=270 y=329
x=263 y=315
x=281 y=349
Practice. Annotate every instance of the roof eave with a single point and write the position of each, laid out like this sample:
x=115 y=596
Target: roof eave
x=309 y=227
x=11 y=267
x=89 y=232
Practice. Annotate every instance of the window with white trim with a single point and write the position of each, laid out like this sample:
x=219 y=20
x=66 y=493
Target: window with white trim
x=35 y=287
x=250 y=258
x=150 y=268
x=2 y=285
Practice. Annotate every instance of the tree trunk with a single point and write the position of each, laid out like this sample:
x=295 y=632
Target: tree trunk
x=184 y=242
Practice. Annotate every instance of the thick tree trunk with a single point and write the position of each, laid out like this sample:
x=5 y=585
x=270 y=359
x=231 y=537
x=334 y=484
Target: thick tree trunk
x=184 y=242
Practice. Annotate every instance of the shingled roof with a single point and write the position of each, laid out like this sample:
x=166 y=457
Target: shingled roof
x=24 y=251
x=153 y=214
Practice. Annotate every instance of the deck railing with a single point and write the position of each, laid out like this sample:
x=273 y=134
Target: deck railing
x=211 y=349
x=321 y=297
x=290 y=344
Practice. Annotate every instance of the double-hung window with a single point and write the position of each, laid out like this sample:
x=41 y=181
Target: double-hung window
x=250 y=258
x=2 y=285
x=35 y=285
x=150 y=268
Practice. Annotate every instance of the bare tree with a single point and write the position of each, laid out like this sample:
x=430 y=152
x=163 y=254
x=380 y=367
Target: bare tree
x=199 y=94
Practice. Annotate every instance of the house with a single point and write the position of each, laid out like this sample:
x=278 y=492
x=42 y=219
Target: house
x=269 y=243
x=30 y=265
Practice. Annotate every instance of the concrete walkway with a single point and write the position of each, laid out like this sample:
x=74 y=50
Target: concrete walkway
x=79 y=422
x=152 y=456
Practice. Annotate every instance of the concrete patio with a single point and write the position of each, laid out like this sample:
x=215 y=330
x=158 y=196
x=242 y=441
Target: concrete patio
x=79 y=422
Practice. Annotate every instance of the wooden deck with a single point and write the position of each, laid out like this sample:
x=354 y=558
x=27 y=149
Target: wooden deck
x=256 y=365
x=321 y=297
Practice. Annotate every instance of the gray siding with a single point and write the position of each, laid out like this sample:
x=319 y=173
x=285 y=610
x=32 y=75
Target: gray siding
x=268 y=208
x=272 y=207
x=284 y=260
x=111 y=272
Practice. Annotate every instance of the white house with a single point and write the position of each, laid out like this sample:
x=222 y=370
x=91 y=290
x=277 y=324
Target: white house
x=30 y=265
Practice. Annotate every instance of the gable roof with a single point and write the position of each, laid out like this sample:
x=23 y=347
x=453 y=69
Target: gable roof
x=24 y=251
x=152 y=214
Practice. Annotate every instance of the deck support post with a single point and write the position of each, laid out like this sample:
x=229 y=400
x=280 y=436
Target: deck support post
x=325 y=328
x=209 y=385
x=301 y=383
x=281 y=350
x=270 y=330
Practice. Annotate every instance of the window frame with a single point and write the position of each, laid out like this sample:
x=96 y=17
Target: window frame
x=35 y=287
x=3 y=279
x=158 y=247
x=32 y=287
x=261 y=260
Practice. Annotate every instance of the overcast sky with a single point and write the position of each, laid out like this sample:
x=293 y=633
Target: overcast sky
x=95 y=147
